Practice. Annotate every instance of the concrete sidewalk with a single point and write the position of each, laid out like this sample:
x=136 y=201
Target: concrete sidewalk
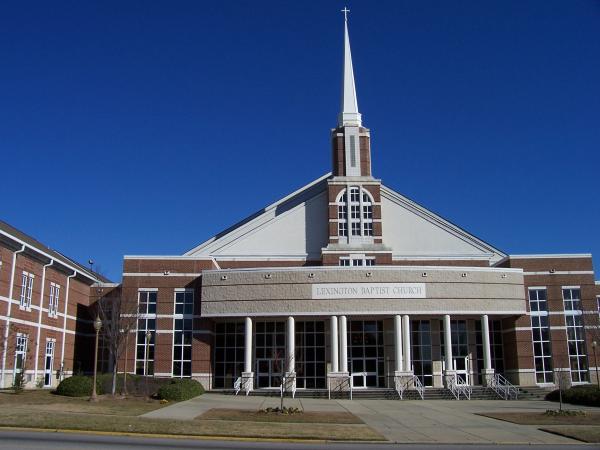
x=409 y=421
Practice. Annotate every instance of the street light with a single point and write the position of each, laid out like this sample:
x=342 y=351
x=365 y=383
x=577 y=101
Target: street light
x=148 y=337
x=97 y=327
x=594 y=344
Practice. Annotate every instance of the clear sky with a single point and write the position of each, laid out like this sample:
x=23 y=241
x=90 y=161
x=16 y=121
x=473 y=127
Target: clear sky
x=147 y=127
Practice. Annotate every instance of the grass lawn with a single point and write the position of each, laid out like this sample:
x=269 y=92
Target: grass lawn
x=583 y=433
x=41 y=409
x=539 y=418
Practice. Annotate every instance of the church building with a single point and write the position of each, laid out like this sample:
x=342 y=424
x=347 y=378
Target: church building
x=346 y=282
x=342 y=285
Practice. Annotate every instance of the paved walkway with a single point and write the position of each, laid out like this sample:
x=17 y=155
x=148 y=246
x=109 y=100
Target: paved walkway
x=408 y=421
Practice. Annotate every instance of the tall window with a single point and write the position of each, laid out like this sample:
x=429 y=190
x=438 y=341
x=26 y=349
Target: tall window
x=355 y=212
x=182 y=333
x=144 y=363
x=229 y=353
x=20 y=352
x=310 y=354
x=26 y=289
x=575 y=334
x=421 y=351
x=542 y=351
x=53 y=303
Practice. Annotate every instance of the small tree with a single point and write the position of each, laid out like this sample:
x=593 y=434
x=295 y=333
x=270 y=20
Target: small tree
x=19 y=380
x=119 y=315
x=563 y=381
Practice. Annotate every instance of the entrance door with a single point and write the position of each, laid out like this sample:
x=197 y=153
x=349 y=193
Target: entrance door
x=268 y=373
x=364 y=372
x=461 y=367
x=49 y=363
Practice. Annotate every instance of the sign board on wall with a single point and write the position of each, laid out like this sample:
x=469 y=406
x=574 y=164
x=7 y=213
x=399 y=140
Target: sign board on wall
x=368 y=290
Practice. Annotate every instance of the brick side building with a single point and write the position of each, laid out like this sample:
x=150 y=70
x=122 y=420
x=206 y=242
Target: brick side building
x=44 y=317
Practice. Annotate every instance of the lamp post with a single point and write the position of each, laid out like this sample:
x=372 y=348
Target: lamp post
x=594 y=344
x=97 y=327
x=148 y=337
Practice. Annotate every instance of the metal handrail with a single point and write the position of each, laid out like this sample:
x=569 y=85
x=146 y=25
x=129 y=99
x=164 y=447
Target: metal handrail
x=349 y=380
x=503 y=387
x=285 y=380
x=465 y=389
x=237 y=385
x=419 y=386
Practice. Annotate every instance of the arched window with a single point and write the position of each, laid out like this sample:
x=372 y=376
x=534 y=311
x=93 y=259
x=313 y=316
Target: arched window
x=355 y=212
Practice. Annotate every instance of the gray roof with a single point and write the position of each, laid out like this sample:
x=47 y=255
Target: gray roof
x=37 y=245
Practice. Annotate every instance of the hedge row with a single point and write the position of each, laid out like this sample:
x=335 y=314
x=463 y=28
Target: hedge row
x=180 y=389
x=578 y=395
x=164 y=388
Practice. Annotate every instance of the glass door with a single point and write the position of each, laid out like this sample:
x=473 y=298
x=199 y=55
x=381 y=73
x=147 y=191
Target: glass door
x=268 y=373
x=461 y=367
x=49 y=363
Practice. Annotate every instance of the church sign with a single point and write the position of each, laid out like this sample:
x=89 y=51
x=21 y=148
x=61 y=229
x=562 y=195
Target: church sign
x=368 y=290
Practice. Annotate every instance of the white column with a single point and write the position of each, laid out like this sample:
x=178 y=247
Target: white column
x=248 y=346
x=343 y=345
x=334 y=344
x=406 y=343
x=398 y=342
x=448 y=343
x=291 y=345
x=485 y=331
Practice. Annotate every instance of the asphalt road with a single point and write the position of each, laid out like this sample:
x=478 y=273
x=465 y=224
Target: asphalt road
x=27 y=440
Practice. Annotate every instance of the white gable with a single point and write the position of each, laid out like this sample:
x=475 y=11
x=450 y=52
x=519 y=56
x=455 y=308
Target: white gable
x=294 y=227
x=412 y=231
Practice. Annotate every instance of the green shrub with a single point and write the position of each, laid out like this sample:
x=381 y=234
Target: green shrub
x=77 y=386
x=180 y=389
x=578 y=395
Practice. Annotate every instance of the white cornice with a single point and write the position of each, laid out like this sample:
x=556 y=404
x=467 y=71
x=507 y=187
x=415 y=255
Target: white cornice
x=169 y=257
x=551 y=255
x=433 y=257
x=369 y=269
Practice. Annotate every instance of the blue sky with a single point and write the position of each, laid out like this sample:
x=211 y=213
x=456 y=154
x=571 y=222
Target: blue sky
x=147 y=127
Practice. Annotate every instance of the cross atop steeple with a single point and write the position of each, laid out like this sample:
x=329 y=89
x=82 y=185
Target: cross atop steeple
x=345 y=11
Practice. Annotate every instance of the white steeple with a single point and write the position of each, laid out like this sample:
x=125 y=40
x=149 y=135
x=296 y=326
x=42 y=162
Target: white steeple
x=349 y=115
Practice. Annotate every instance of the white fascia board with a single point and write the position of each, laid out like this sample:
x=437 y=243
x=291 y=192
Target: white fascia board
x=107 y=285
x=254 y=220
x=169 y=257
x=434 y=218
x=298 y=257
x=41 y=252
x=368 y=269
x=436 y=257
x=551 y=255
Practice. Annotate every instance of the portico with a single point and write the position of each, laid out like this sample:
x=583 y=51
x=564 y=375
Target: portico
x=294 y=327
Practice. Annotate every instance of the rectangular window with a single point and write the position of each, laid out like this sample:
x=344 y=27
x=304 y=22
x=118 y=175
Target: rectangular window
x=357 y=262
x=542 y=350
x=355 y=228
x=575 y=335
x=183 y=323
x=310 y=354
x=368 y=211
x=229 y=353
x=345 y=262
x=354 y=195
x=20 y=352
x=147 y=302
x=53 y=303
x=49 y=362
x=369 y=261
x=342 y=229
x=26 y=290
x=421 y=351
x=368 y=228
x=355 y=211
x=342 y=212
x=353 y=151
x=146 y=333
